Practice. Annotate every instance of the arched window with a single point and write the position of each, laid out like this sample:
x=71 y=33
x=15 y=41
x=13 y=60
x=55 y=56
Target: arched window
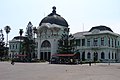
x=115 y=55
x=78 y=55
x=109 y=55
x=102 y=55
x=112 y=55
x=46 y=44
x=95 y=56
x=88 y=55
x=83 y=56
x=109 y=42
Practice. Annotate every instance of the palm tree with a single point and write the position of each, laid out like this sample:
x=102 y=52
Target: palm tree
x=21 y=32
x=34 y=31
x=7 y=29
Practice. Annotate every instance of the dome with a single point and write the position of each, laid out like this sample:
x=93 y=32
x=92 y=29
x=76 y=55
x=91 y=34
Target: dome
x=101 y=28
x=54 y=18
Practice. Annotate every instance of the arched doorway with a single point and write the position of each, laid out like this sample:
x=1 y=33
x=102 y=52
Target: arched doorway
x=102 y=55
x=45 y=50
x=109 y=55
x=78 y=55
x=83 y=56
x=95 y=56
x=88 y=55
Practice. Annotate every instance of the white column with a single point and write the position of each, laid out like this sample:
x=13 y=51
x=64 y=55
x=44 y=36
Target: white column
x=38 y=55
x=53 y=46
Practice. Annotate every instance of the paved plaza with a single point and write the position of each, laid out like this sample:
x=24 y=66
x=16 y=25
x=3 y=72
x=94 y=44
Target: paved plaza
x=46 y=71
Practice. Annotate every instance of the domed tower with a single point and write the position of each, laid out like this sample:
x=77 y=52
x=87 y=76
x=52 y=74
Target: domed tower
x=49 y=31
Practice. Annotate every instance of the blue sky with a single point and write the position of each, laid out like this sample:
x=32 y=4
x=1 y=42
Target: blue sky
x=90 y=13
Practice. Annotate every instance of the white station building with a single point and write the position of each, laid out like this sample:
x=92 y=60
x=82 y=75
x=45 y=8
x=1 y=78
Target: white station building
x=100 y=43
x=50 y=30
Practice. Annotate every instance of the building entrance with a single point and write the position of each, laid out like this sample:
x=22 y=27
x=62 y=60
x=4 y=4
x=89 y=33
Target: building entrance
x=45 y=56
x=45 y=53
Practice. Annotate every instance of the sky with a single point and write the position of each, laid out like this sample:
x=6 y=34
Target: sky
x=81 y=15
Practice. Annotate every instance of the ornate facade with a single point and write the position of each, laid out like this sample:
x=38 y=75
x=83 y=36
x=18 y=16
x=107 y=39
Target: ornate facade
x=100 y=43
x=50 y=30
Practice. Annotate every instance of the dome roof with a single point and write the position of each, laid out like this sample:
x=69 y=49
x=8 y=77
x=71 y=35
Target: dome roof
x=54 y=18
x=101 y=28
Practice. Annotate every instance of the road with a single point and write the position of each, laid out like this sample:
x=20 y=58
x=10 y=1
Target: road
x=46 y=71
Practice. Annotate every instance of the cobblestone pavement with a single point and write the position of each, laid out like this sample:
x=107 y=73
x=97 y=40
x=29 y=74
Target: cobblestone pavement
x=46 y=71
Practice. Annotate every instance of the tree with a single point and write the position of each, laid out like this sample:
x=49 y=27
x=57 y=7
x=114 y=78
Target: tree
x=20 y=32
x=28 y=44
x=66 y=44
x=2 y=48
x=35 y=32
x=7 y=29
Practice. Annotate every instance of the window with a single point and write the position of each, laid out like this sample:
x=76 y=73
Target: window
x=115 y=55
x=88 y=55
x=13 y=46
x=102 y=55
x=88 y=42
x=102 y=41
x=112 y=55
x=16 y=46
x=115 y=42
x=83 y=42
x=95 y=42
x=109 y=55
x=109 y=42
x=46 y=44
x=78 y=42
x=112 y=43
